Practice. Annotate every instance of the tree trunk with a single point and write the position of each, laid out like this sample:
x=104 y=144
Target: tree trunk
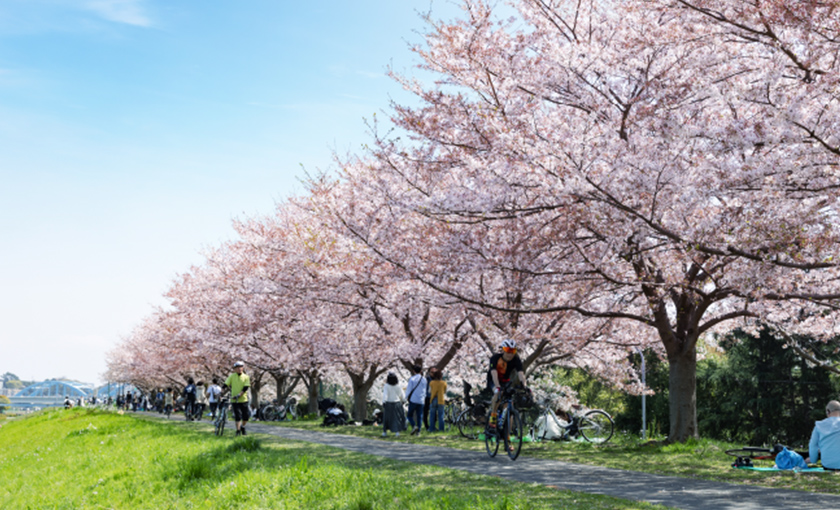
x=360 y=402
x=682 y=398
x=361 y=386
x=285 y=385
x=256 y=384
x=312 y=380
x=312 y=388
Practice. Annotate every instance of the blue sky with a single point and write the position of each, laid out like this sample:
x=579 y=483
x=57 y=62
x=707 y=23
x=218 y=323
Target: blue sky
x=133 y=131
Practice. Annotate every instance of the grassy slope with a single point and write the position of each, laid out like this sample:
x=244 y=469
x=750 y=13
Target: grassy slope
x=91 y=459
x=697 y=459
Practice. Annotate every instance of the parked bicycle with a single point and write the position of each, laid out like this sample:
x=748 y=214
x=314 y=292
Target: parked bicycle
x=595 y=425
x=451 y=411
x=279 y=412
x=221 y=416
x=509 y=429
x=472 y=419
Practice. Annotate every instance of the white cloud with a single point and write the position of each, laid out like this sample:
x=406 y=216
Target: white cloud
x=130 y=12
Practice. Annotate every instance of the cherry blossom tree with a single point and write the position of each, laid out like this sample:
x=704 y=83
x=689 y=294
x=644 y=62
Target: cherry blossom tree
x=658 y=169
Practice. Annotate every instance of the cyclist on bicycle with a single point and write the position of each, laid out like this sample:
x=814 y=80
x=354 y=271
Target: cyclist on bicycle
x=504 y=367
x=239 y=384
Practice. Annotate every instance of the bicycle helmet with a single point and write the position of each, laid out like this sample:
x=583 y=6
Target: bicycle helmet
x=238 y=364
x=509 y=345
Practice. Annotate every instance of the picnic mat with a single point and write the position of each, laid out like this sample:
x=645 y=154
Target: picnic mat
x=808 y=470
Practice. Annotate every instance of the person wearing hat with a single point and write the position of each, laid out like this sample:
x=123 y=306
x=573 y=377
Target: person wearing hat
x=239 y=384
x=825 y=439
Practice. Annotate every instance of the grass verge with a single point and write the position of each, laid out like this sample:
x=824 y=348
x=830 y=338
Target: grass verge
x=81 y=458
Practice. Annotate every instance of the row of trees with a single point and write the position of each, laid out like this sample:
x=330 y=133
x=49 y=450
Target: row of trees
x=587 y=177
x=13 y=382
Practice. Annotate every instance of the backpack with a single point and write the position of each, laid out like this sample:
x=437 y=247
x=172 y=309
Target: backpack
x=787 y=459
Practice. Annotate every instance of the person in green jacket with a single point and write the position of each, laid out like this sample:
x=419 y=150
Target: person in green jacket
x=239 y=383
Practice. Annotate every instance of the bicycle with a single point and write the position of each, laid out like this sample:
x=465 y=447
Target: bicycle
x=595 y=426
x=744 y=456
x=451 y=411
x=472 y=419
x=192 y=411
x=279 y=412
x=221 y=416
x=508 y=427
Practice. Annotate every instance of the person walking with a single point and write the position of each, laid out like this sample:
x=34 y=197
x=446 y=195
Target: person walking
x=168 y=401
x=200 y=399
x=415 y=393
x=214 y=395
x=393 y=418
x=437 y=395
x=239 y=383
x=189 y=399
x=427 y=402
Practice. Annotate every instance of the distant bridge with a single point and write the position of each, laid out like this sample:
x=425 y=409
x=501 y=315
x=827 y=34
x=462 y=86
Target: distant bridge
x=51 y=393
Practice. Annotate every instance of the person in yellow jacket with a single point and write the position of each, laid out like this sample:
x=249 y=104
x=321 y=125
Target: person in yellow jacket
x=437 y=392
x=239 y=384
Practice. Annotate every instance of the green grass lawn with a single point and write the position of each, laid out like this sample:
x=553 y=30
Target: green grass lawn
x=704 y=459
x=91 y=459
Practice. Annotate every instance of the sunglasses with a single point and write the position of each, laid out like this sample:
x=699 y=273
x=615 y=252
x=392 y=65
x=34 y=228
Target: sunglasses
x=509 y=350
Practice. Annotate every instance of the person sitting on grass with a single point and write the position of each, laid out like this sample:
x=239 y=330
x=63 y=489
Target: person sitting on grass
x=825 y=439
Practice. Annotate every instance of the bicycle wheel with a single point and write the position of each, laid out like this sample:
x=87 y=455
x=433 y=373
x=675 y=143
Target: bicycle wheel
x=269 y=413
x=596 y=426
x=513 y=433
x=467 y=425
x=220 y=422
x=491 y=439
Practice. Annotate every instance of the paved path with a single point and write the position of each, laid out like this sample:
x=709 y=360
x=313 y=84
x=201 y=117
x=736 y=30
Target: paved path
x=684 y=493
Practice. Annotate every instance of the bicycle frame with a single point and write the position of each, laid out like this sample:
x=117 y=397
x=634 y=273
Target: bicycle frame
x=595 y=425
x=221 y=417
x=508 y=428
